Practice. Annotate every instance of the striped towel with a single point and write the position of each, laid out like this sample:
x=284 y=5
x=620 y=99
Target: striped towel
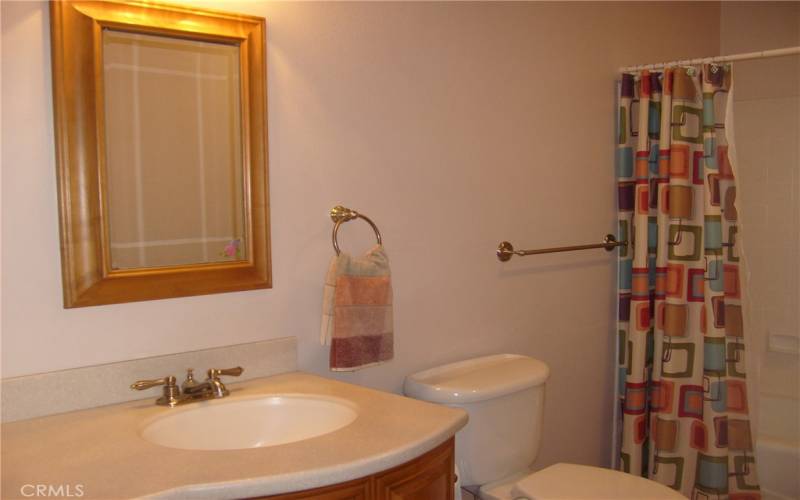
x=357 y=311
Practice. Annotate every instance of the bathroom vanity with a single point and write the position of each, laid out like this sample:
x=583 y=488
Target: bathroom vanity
x=393 y=447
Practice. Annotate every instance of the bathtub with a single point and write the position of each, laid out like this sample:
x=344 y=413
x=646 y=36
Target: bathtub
x=778 y=436
x=778 y=467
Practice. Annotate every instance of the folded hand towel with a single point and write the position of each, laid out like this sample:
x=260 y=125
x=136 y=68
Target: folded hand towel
x=357 y=311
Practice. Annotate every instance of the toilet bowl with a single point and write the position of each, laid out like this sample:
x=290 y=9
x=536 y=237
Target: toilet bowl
x=504 y=397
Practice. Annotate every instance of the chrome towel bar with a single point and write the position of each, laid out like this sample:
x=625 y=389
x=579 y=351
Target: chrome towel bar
x=340 y=215
x=506 y=250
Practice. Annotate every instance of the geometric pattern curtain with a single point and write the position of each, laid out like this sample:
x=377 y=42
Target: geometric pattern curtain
x=682 y=392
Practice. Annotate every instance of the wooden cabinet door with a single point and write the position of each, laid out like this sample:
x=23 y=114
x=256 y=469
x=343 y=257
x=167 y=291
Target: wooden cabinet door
x=429 y=477
x=352 y=490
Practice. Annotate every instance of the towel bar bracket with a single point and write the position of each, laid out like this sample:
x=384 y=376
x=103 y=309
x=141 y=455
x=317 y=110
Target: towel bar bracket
x=342 y=214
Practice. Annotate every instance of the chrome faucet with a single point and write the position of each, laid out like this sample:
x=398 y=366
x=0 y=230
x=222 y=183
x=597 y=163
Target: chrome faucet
x=212 y=388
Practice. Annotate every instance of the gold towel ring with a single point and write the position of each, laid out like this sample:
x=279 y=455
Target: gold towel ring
x=340 y=214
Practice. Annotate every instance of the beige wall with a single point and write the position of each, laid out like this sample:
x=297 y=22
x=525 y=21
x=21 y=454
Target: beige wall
x=453 y=125
x=767 y=116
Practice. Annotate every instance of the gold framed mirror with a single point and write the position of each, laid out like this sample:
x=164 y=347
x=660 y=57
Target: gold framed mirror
x=161 y=151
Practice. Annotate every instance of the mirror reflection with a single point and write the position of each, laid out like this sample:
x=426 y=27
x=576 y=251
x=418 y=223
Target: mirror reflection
x=173 y=145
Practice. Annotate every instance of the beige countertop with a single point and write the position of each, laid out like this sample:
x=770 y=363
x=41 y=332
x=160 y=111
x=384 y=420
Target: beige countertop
x=100 y=453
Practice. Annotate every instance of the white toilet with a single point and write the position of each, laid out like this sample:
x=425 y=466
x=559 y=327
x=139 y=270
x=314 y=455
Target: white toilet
x=504 y=397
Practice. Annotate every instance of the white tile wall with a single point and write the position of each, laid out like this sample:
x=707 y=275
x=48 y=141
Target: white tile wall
x=767 y=117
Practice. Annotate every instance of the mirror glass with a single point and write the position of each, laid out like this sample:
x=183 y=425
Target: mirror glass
x=173 y=148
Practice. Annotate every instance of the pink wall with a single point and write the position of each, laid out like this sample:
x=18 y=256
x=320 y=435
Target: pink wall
x=453 y=125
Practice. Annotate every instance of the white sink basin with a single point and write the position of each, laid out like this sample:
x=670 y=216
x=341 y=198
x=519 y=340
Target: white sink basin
x=233 y=424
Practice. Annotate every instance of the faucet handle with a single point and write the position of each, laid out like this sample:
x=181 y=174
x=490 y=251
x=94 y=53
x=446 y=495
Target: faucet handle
x=214 y=373
x=171 y=395
x=147 y=384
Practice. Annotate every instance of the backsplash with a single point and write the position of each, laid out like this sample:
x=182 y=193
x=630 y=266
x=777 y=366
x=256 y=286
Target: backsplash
x=44 y=394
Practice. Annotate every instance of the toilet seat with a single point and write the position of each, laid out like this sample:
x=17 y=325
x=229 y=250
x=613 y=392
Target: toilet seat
x=581 y=482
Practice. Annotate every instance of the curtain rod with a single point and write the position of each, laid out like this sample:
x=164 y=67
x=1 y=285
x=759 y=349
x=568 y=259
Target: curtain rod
x=704 y=60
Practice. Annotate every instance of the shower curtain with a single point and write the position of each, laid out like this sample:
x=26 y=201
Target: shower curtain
x=682 y=393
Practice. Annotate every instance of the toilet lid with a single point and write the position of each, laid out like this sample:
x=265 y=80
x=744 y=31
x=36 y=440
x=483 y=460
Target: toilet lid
x=582 y=482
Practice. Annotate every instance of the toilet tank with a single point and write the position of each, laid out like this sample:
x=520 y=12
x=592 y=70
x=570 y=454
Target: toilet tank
x=504 y=397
